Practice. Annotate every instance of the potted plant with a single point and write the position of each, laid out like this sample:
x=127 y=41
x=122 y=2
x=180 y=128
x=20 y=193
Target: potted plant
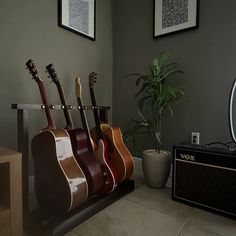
x=156 y=96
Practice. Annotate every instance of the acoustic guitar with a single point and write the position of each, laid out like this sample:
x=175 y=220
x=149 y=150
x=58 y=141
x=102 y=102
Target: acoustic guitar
x=60 y=184
x=80 y=142
x=119 y=158
x=100 y=150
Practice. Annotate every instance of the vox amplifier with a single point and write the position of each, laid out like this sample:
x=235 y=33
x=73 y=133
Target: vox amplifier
x=205 y=177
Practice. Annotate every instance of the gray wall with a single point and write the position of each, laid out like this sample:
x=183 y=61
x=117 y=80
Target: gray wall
x=29 y=30
x=207 y=55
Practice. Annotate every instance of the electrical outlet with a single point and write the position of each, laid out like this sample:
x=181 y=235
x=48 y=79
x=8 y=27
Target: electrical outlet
x=195 y=138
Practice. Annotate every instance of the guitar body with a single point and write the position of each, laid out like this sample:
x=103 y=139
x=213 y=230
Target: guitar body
x=115 y=133
x=113 y=158
x=60 y=183
x=99 y=175
x=86 y=160
x=101 y=154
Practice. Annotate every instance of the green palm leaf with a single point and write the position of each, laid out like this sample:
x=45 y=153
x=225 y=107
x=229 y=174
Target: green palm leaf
x=154 y=93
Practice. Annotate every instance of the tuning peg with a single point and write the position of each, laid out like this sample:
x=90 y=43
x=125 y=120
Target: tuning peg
x=62 y=107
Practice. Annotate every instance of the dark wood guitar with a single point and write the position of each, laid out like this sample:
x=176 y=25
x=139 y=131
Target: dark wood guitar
x=99 y=150
x=119 y=158
x=60 y=184
x=80 y=142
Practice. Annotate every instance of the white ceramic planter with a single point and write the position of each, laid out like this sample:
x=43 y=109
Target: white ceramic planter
x=156 y=167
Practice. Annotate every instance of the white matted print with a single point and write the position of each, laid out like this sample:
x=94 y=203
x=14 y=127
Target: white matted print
x=172 y=16
x=78 y=16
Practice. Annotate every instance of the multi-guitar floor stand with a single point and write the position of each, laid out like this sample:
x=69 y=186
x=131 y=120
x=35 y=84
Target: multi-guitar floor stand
x=63 y=224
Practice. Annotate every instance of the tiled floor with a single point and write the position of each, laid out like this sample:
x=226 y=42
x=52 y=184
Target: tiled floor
x=152 y=212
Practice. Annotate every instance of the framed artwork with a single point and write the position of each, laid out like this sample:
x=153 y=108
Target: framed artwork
x=78 y=16
x=172 y=16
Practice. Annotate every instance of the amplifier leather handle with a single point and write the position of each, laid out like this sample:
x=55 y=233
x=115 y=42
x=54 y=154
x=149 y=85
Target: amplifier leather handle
x=227 y=147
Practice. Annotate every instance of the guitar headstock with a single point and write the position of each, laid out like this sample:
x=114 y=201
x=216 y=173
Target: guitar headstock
x=33 y=70
x=52 y=73
x=92 y=79
x=78 y=87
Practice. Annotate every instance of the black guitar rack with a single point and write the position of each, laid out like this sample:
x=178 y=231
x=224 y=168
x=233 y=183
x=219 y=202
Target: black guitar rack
x=65 y=223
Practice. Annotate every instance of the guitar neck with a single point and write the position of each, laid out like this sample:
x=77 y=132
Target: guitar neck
x=51 y=124
x=85 y=123
x=96 y=115
x=69 y=123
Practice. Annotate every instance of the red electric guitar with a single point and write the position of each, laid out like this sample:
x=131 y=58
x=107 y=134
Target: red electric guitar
x=119 y=157
x=100 y=151
x=80 y=142
x=60 y=183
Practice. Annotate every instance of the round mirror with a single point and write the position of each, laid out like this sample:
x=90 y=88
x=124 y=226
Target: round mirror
x=232 y=113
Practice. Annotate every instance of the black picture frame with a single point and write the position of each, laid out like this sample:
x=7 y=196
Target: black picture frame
x=78 y=16
x=187 y=17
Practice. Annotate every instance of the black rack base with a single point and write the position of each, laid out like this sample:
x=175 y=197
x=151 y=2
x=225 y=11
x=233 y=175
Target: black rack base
x=62 y=225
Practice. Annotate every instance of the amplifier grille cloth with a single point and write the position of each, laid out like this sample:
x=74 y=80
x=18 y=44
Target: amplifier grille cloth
x=209 y=186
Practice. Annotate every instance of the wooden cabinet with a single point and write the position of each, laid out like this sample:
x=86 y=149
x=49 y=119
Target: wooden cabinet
x=10 y=193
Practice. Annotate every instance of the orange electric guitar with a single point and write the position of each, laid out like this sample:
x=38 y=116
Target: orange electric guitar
x=100 y=151
x=60 y=184
x=119 y=158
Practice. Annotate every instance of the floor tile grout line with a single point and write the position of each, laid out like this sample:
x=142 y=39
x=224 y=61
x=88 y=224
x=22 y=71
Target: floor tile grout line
x=184 y=223
x=181 y=228
x=142 y=205
x=86 y=221
x=151 y=208
x=95 y=215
